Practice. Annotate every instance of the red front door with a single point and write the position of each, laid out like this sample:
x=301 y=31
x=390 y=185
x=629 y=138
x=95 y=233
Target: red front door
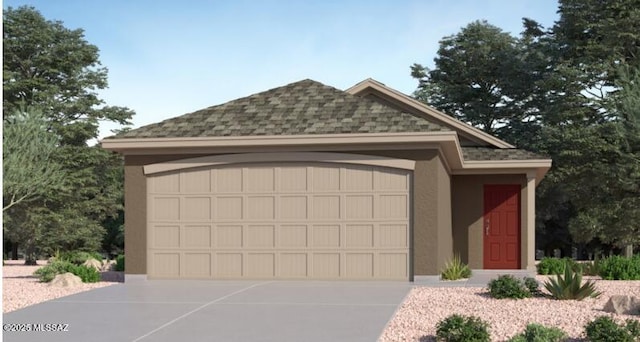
x=501 y=228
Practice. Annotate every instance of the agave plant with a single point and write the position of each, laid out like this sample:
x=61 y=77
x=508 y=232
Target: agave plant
x=455 y=269
x=570 y=286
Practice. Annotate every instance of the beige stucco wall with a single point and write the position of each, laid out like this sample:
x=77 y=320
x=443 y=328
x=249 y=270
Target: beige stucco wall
x=468 y=206
x=431 y=236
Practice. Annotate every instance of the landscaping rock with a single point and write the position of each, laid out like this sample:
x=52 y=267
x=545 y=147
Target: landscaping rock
x=623 y=305
x=66 y=280
x=91 y=262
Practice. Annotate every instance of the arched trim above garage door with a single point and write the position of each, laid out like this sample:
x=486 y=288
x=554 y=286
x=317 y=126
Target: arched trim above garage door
x=217 y=160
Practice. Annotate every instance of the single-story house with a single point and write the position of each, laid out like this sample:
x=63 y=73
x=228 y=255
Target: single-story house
x=306 y=181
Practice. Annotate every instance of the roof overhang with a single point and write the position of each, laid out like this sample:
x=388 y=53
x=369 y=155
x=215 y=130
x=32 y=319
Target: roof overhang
x=446 y=142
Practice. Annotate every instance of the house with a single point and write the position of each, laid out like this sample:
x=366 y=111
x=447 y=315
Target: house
x=306 y=181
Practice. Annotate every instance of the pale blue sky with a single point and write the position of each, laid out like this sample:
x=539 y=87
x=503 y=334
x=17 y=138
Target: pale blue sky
x=167 y=58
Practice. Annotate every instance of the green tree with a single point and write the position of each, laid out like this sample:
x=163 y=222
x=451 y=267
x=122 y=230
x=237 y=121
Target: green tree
x=29 y=167
x=49 y=66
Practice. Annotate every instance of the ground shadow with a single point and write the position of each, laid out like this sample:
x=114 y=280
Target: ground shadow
x=427 y=338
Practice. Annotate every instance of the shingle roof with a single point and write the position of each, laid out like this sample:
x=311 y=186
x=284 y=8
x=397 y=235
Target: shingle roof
x=487 y=153
x=304 y=107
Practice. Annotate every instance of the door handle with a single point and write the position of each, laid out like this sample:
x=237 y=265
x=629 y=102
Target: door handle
x=486 y=228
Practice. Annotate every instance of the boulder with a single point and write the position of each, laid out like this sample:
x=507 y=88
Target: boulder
x=91 y=262
x=66 y=280
x=623 y=305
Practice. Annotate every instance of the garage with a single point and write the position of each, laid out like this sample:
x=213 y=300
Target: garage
x=279 y=220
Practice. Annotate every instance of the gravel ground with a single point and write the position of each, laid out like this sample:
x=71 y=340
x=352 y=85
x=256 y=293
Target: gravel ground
x=20 y=288
x=424 y=307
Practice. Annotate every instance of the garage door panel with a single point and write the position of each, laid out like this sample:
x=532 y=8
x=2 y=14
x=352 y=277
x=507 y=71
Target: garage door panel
x=229 y=236
x=293 y=236
x=196 y=209
x=198 y=181
x=293 y=208
x=326 y=265
x=229 y=208
x=359 y=265
x=228 y=265
x=359 y=207
x=197 y=265
x=260 y=208
x=260 y=265
x=287 y=221
x=293 y=179
x=293 y=265
x=260 y=236
x=197 y=236
x=227 y=180
x=165 y=208
x=326 y=207
x=164 y=236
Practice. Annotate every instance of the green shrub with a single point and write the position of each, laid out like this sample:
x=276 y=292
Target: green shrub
x=591 y=268
x=570 y=286
x=455 y=269
x=620 y=268
x=79 y=257
x=48 y=272
x=532 y=285
x=507 y=286
x=605 y=329
x=120 y=263
x=457 y=328
x=87 y=274
x=548 y=265
x=540 y=333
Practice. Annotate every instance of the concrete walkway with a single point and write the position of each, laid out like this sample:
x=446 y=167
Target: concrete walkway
x=479 y=278
x=214 y=311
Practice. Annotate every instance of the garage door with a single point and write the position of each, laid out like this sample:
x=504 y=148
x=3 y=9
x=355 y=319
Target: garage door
x=279 y=221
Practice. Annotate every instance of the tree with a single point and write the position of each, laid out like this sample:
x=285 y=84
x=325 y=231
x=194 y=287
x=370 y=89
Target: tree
x=48 y=66
x=477 y=78
x=28 y=149
x=56 y=69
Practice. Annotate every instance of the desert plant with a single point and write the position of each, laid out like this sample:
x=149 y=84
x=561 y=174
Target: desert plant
x=79 y=257
x=508 y=286
x=605 y=329
x=455 y=269
x=555 y=265
x=87 y=274
x=458 y=328
x=48 y=272
x=618 y=267
x=539 y=333
x=570 y=286
x=532 y=285
x=120 y=263
x=591 y=268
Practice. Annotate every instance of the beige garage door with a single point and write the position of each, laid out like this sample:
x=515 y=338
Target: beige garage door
x=279 y=221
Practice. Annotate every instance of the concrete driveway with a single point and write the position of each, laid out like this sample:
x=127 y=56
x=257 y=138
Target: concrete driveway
x=214 y=311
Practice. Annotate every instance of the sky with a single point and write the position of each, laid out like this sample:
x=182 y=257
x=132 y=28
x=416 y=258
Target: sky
x=168 y=58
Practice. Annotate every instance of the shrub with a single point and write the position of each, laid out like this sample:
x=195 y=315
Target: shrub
x=507 y=286
x=457 y=328
x=570 y=286
x=548 y=265
x=48 y=272
x=591 y=268
x=79 y=257
x=532 y=285
x=605 y=329
x=87 y=274
x=455 y=269
x=540 y=333
x=620 y=268
x=120 y=263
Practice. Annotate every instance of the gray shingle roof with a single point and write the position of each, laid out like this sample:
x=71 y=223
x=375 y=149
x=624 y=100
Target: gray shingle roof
x=487 y=153
x=304 y=107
